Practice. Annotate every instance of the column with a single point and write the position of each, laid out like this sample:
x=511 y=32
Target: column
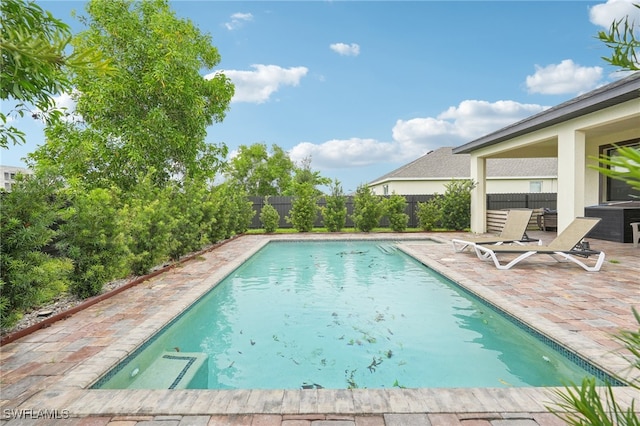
x=571 y=176
x=479 y=194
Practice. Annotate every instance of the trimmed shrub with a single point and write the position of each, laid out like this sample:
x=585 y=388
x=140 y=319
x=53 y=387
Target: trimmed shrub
x=304 y=208
x=394 y=208
x=188 y=204
x=269 y=217
x=367 y=209
x=430 y=214
x=456 y=205
x=92 y=236
x=334 y=214
x=217 y=214
x=243 y=212
x=29 y=272
x=148 y=223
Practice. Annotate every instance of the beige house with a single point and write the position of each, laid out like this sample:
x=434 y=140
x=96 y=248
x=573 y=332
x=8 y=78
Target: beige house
x=8 y=176
x=575 y=132
x=430 y=173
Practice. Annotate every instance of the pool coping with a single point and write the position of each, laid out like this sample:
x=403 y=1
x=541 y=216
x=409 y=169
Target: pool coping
x=73 y=393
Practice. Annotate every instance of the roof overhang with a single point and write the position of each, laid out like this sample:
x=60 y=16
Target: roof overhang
x=621 y=91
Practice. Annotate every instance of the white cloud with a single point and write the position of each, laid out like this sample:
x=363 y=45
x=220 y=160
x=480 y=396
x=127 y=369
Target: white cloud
x=412 y=138
x=614 y=10
x=566 y=77
x=473 y=118
x=336 y=153
x=258 y=85
x=238 y=20
x=344 y=49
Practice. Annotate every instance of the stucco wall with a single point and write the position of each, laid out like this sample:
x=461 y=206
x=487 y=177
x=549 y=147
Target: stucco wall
x=494 y=186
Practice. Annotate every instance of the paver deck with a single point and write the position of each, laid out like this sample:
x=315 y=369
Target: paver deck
x=48 y=373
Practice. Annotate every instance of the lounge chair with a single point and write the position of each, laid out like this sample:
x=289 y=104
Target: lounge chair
x=567 y=246
x=513 y=231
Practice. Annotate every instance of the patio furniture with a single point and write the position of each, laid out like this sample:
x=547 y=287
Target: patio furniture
x=567 y=246
x=513 y=231
x=617 y=216
x=636 y=233
x=548 y=220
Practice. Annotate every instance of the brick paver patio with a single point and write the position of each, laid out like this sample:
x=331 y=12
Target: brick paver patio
x=52 y=368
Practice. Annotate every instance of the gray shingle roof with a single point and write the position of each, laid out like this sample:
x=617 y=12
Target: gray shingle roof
x=442 y=163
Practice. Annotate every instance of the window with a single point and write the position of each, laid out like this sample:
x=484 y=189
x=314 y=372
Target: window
x=385 y=189
x=615 y=189
x=535 y=186
x=6 y=175
x=13 y=176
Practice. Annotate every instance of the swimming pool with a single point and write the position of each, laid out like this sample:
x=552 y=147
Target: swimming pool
x=338 y=315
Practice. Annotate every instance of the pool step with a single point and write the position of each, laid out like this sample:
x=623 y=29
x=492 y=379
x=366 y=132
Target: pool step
x=387 y=248
x=175 y=370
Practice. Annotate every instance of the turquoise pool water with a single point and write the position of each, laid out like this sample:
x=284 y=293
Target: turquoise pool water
x=341 y=314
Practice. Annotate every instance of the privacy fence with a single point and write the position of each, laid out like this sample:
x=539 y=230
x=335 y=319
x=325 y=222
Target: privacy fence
x=494 y=202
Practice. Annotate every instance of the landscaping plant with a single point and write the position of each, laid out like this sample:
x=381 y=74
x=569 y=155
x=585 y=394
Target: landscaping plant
x=148 y=223
x=430 y=213
x=367 y=209
x=187 y=208
x=304 y=210
x=269 y=217
x=455 y=205
x=394 y=208
x=624 y=166
x=334 y=213
x=92 y=236
x=29 y=273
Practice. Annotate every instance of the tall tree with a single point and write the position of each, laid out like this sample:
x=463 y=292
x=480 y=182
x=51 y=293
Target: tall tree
x=303 y=175
x=35 y=64
x=151 y=114
x=261 y=172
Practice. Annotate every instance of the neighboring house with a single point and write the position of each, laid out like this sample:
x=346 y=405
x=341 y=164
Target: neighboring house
x=8 y=176
x=575 y=132
x=430 y=173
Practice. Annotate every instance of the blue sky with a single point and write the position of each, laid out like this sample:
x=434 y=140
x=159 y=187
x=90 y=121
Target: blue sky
x=364 y=87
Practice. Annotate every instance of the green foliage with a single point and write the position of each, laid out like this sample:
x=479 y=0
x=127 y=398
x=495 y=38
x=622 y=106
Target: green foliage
x=29 y=273
x=242 y=212
x=149 y=223
x=587 y=405
x=334 y=214
x=304 y=175
x=304 y=209
x=188 y=203
x=150 y=114
x=92 y=237
x=367 y=209
x=451 y=210
x=622 y=39
x=456 y=204
x=35 y=63
x=394 y=209
x=430 y=213
x=624 y=166
x=217 y=213
x=269 y=217
x=259 y=172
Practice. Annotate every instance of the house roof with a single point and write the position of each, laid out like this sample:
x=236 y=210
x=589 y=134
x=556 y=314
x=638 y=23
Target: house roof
x=443 y=164
x=618 y=92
